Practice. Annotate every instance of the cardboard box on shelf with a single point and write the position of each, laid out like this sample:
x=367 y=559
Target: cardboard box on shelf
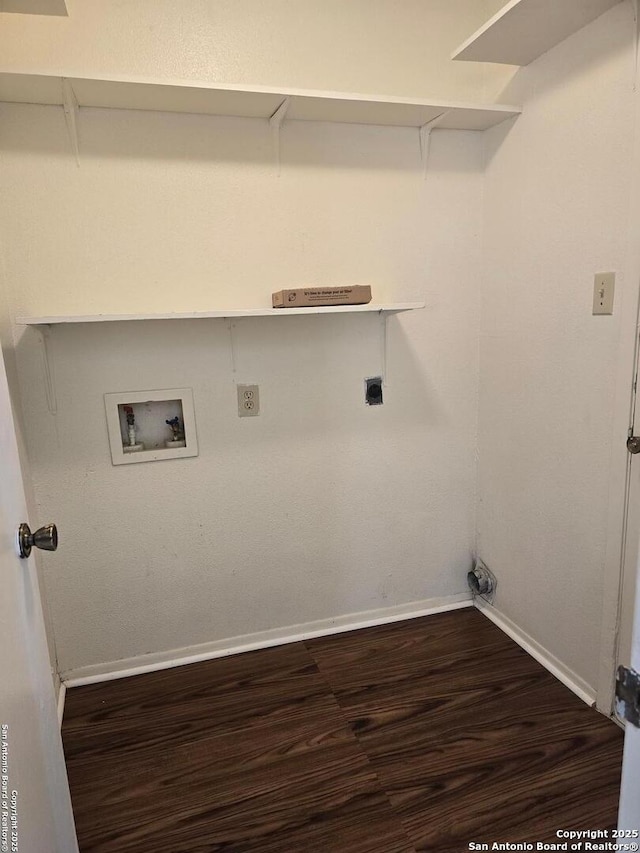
x=305 y=297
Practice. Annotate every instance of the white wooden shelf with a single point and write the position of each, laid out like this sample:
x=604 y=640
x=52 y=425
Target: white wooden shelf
x=249 y=102
x=392 y=308
x=35 y=7
x=525 y=29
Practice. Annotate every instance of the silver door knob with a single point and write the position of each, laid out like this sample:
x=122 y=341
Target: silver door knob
x=633 y=444
x=45 y=538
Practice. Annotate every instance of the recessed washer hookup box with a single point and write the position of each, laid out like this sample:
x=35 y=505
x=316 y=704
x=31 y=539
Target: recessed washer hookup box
x=305 y=297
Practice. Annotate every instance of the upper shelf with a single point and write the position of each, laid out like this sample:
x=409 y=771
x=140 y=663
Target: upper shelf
x=391 y=308
x=251 y=102
x=525 y=29
x=34 y=7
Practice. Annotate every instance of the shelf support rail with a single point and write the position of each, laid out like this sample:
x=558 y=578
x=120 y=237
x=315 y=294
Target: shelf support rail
x=275 y=124
x=232 y=344
x=48 y=368
x=383 y=347
x=425 y=140
x=70 y=106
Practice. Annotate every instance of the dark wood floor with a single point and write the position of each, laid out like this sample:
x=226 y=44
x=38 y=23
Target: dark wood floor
x=421 y=735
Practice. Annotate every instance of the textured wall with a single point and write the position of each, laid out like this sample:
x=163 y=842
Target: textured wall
x=556 y=206
x=397 y=47
x=319 y=507
x=185 y=212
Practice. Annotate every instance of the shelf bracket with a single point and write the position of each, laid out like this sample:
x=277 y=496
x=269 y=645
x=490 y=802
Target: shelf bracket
x=70 y=105
x=275 y=124
x=232 y=344
x=636 y=18
x=425 y=141
x=47 y=368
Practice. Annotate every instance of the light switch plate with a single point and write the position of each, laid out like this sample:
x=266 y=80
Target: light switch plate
x=604 y=286
x=248 y=401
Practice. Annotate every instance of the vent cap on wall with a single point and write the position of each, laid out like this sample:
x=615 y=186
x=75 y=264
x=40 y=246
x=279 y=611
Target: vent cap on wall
x=482 y=582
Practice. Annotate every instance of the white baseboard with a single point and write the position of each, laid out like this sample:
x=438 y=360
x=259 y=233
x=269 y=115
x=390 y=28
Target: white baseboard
x=576 y=684
x=62 y=692
x=261 y=640
x=321 y=628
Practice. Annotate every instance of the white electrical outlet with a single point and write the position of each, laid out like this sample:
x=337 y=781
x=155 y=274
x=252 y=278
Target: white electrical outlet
x=604 y=286
x=248 y=401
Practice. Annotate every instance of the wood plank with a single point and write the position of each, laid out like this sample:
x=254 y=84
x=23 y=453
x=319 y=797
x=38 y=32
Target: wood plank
x=35 y=7
x=388 y=308
x=324 y=799
x=242 y=753
x=525 y=29
x=420 y=735
x=234 y=694
x=475 y=741
x=251 y=102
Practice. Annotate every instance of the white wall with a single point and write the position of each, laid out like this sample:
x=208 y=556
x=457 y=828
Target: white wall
x=373 y=46
x=319 y=507
x=185 y=212
x=176 y=213
x=556 y=207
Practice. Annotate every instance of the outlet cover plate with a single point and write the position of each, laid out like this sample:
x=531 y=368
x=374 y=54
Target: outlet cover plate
x=248 y=401
x=373 y=391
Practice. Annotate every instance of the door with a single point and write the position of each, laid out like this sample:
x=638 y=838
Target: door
x=629 y=812
x=630 y=543
x=35 y=807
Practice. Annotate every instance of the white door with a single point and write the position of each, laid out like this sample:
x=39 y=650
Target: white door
x=629 y=813
x=630 y=542
x=35 y=807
